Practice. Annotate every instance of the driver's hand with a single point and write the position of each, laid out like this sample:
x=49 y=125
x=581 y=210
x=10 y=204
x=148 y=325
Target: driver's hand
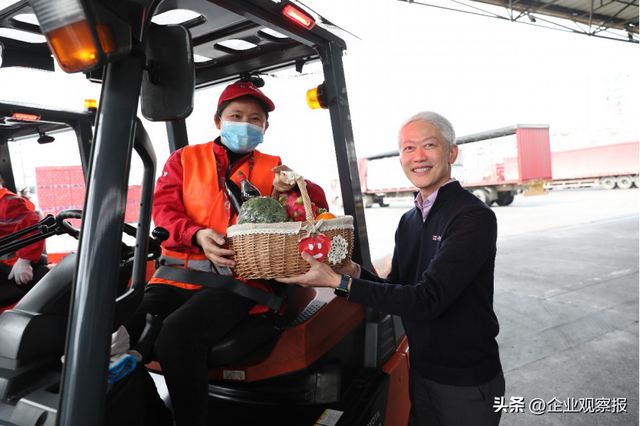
x=212 y=245
x=280 y=179
x=21 y=271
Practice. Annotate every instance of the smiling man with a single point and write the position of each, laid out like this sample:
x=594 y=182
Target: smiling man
x=440 y=284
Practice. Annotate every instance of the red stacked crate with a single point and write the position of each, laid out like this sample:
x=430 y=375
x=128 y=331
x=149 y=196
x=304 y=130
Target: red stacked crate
x=133 y=203
x=44 y=188
x=77 y=196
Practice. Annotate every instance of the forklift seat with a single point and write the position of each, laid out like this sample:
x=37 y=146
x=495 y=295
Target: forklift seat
x=260 y=331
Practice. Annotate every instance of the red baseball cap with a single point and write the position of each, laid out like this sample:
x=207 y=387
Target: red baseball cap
x=236 y=90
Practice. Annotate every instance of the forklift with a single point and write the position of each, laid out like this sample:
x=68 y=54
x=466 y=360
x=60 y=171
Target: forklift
x=330 y=362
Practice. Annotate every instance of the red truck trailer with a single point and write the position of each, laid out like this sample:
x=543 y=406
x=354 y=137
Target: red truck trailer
x=494 y=165
x=612 y=166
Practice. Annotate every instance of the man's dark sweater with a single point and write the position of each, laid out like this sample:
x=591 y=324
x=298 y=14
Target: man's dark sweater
x=441 y=285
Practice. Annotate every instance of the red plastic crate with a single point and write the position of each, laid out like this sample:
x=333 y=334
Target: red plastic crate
x=77 y=195
x=60 y=176
x=46 y=197
x=76 y=176
x=64 y=199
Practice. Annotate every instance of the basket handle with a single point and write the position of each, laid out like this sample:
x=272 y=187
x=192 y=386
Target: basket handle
x=302 y=185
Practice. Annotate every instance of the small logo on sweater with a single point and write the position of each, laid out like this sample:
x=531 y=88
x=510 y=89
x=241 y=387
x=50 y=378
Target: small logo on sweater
x=437 y=238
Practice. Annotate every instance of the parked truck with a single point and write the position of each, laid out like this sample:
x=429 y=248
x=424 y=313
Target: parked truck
x=498 y=164
x=494 y=165
x=612 y=166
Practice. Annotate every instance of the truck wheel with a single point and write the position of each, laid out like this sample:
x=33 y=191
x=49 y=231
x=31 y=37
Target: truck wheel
x=482 y=194
x=608 y=182
x=636 y=181
x=505 y=198
x=368 y=201
x=338 y=202
x=624 y=182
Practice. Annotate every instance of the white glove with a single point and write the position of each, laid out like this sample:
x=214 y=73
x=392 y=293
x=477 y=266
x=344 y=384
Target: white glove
x=22 y=271
x=120 y=347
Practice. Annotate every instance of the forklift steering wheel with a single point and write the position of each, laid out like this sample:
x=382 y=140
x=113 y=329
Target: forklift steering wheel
x=65 y=224
x=61 y=219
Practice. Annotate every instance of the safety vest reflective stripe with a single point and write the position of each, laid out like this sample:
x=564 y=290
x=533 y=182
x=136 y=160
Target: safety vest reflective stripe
x=8 y=256
x=178 y=259
x=198 y=265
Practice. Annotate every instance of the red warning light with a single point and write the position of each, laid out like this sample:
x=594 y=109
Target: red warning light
x=26 y=117
x=298 y=16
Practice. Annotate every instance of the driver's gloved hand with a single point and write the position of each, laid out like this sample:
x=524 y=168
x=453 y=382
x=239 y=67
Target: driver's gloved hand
x=22 y=271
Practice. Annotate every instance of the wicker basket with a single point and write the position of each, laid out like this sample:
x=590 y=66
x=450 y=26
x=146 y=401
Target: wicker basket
x=271 y=250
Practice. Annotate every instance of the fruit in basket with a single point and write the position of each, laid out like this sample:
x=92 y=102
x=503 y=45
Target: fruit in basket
x=294 y=206
x=261 y=210
x=326 y=216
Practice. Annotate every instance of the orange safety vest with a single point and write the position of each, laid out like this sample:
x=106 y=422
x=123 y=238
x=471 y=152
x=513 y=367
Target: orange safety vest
x=204 y=200
x=11 y=258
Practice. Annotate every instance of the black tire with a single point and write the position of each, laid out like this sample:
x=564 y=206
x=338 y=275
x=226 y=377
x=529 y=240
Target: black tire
x=380 y=202
x=624 y=182
x=608 y=182
x=505 y=198
x=368 y=201
x=483 y=195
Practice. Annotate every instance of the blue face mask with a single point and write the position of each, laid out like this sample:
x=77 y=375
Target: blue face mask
x=241 y=137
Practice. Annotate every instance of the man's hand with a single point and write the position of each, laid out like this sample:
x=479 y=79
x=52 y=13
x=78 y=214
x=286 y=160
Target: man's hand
x=320 y=275
x=21 y=271
x=280 y=179
x=211 y=243
x=350 y=269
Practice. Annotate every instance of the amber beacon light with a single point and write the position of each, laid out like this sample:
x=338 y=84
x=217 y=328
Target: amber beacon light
x=69 y=33
x=317 y=97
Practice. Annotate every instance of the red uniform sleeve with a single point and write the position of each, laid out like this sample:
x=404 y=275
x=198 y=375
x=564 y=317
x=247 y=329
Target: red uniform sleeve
x=15 y=215
x=168 y=208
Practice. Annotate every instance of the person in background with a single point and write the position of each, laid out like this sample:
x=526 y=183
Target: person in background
x=23 y=268
x=441 y=284
x=192 y=203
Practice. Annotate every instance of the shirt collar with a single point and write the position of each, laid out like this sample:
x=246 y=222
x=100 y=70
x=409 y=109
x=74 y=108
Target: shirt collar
x=425 y=205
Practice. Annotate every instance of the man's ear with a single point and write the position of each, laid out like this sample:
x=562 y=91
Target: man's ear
x=218 y=122
x=266 y=126
x=453 y=154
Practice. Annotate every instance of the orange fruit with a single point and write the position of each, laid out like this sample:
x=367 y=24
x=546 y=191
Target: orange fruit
x=326 y=216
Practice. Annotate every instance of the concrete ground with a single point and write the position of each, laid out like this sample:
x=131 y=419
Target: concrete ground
x=567 y=301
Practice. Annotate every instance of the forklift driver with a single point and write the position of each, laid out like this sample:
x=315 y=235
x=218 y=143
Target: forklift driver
x=23 y=268
x=191 y=202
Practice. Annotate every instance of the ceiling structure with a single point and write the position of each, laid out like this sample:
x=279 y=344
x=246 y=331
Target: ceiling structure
x=612 y=19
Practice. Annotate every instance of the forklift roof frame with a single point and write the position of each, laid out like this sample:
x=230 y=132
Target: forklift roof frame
x=81 y=402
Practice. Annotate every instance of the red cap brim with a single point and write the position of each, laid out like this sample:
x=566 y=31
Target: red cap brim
x=236 y=90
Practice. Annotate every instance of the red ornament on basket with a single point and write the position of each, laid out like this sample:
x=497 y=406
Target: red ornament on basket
x=318 y=247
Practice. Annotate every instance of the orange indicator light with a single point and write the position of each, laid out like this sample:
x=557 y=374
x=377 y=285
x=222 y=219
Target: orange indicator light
x=107 y=40
x=73 y=47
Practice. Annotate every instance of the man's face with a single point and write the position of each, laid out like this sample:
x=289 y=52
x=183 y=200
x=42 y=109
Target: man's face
x=424 y=156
